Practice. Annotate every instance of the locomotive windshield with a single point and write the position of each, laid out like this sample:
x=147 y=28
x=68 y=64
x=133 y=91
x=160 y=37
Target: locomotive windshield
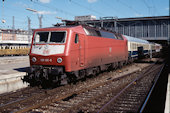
x=50 y=37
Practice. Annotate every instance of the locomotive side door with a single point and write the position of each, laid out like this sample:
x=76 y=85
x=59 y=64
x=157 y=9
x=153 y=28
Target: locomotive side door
x=82 y=50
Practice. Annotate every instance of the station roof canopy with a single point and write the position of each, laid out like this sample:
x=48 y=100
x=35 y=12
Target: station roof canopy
x=132 y=19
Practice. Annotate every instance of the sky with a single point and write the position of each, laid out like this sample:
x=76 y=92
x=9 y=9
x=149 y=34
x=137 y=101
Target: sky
x=68 y=9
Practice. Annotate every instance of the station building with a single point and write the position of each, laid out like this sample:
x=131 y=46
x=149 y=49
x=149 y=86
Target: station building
x=155 y=28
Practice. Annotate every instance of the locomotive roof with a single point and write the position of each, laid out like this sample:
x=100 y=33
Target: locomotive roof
x=89 y=30
x=73 y=26
x=132 y=39
x=58 y=27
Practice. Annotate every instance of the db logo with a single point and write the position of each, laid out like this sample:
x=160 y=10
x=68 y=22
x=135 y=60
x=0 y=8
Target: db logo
x=46 y=51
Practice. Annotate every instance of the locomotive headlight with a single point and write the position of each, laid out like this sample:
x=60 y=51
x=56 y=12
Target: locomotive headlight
x=59 y=60
x=34 y=59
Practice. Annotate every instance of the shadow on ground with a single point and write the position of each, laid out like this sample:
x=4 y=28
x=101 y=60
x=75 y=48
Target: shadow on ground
x=24 y=69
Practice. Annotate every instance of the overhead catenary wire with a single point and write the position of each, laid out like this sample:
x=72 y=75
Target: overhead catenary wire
x=130 y=7
x=147 y=6
x=3 y=20
x=87 y=8
x=55 y=9
x=42 y=5
x=112 y=7
x=17 y=19
x=154 y=7
x=34 y=22
x=78 y=5
x=47 y=19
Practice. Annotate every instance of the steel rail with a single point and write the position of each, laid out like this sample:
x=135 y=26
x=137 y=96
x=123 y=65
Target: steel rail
x=150 y=92
x=54 y=99
x=20 y=100
x=124 y=89
x=13 y=93
x=70 y=109
x=51 y=97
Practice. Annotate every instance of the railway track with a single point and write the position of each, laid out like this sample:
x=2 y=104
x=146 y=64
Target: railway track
x=84 y=97
x=134 y=96
x=92 y=101
x=12 y=99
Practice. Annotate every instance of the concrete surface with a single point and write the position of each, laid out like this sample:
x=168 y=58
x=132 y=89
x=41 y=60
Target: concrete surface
x=12 y=70
x=10 y=65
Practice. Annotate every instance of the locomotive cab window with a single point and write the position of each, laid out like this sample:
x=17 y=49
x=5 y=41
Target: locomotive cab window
x=50 y=37
x=41 y=37
x=57 y=37
x=76 y=38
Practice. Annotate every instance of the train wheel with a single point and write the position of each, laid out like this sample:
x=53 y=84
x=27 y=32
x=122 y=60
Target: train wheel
x=98 y=70
x=72 y=79
x=57 y=81
x=45 y=84
x=120 y=64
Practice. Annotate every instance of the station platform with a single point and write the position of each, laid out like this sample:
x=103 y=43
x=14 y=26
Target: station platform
x=12 y=70
x=167 y=103
x=11 y=65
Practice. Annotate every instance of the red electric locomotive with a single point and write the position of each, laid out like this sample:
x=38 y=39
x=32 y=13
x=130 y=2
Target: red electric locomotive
x=73 y=52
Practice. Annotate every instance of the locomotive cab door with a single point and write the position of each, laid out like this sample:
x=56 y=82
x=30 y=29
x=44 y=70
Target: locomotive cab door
x=82 y=50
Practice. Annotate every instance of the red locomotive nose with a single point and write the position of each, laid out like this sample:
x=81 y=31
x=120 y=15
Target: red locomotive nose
x=48 y=47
